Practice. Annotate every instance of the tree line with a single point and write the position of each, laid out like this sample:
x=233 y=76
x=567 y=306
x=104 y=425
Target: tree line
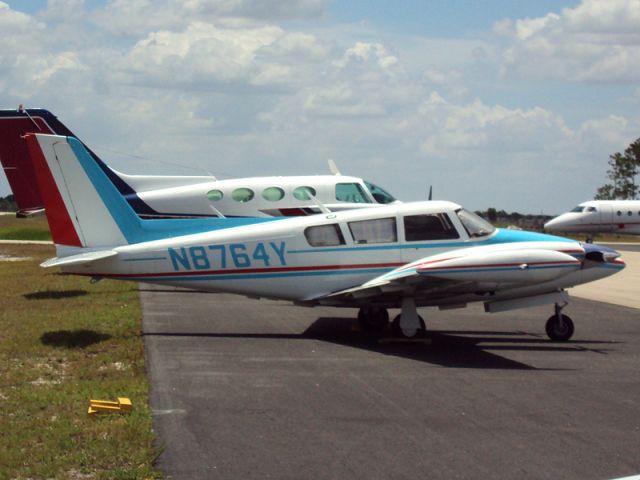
x=623 y=169
x=8 y=204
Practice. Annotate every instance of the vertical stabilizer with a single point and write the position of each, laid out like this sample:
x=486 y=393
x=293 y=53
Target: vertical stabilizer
x=83 y=207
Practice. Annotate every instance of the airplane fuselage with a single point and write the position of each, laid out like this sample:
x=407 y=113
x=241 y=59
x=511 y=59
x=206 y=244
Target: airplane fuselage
x=599 y=216
x=300 y=259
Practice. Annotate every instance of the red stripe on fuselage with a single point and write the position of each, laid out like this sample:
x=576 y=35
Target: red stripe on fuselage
x=62 y=229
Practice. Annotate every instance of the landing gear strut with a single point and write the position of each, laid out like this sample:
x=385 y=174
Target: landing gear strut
x=559 y=327
x=409 y=324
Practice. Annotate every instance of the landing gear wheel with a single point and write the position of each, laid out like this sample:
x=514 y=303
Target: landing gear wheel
x=373 y=319
x=559 y=330
x=416 y=334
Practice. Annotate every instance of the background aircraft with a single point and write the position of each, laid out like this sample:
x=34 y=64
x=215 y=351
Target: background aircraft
x=153 y=196
x=403 y=255
x=599 y=216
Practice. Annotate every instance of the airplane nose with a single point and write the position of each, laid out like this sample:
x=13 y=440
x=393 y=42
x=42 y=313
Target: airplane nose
x=553 y=224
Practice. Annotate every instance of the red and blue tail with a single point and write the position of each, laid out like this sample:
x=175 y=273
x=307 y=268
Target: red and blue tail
x=85 y=209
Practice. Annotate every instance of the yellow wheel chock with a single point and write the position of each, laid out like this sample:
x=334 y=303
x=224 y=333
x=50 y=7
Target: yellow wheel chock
x=100 y=407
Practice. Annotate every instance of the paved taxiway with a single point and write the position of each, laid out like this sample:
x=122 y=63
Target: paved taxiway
x=262 y=389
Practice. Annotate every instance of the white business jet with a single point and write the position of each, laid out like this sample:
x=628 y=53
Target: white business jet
x=158 y=196
x=599 y=216
x=405 y=255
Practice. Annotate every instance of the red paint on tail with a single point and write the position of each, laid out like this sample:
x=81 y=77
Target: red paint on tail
x=62 y=229
x=14 y=157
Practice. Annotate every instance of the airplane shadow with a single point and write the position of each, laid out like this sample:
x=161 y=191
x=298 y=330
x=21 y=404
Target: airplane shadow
x=452 y=349
x=54 y=294
x=73 y=338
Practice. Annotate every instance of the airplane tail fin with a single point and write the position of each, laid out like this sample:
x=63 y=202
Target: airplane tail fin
x=78 y=198
x=14 y=157
x=85 y=209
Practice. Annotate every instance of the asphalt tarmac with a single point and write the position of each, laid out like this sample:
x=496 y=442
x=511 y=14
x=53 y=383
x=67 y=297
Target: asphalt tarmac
x=262 y=389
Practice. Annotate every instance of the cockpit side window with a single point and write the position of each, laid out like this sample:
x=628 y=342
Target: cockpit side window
x=429 y=227
x=379 y=195
x=591 y=209
x=475 y=225
x=351 y=192
x=324 y=235
x=577 y=209
x=379 y=230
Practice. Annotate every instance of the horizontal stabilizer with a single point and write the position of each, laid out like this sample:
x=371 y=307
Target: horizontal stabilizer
x=79 y=259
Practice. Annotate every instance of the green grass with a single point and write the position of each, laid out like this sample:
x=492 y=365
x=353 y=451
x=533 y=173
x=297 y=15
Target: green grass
x=32 y=228
x=64 y=341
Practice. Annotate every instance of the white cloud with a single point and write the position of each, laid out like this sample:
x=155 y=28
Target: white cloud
x=596 y=41
x=127 y=17
x=215 y=88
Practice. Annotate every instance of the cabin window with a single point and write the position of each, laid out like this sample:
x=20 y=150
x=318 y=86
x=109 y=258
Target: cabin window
x=351 y=192
x=242 y=195
x=304 y=193
x=273 y=194
x=618 y=213
x=215 y=195
x=629 y=213
x=379 y=230
x=378 y=194
x=475 y=225
x=324 y=235
x=429 y=227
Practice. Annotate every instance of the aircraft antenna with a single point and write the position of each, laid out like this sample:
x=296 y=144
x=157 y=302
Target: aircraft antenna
x=430 y=192
x=26 y=112
x=217 y=212
x=323 y=208
x=333 y=168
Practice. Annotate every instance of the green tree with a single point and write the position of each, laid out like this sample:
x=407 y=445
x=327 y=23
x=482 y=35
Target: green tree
x=622 y=172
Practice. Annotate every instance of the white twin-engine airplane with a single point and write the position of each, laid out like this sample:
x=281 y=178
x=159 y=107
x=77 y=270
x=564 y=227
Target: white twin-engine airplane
x=161 y=196
x=599 y=216
x=405 y=255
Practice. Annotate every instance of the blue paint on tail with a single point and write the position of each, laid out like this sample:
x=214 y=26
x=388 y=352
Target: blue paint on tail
x=136 y=230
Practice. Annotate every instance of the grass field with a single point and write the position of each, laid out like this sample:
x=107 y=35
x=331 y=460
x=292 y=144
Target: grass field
x=33 y=228
x=64 y=341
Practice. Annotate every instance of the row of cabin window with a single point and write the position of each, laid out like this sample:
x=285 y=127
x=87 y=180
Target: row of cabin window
x=619 y=213
x=384 y=230
x=345 y=192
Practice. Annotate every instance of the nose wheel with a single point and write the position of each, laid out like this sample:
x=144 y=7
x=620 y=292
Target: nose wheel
x=559 y=327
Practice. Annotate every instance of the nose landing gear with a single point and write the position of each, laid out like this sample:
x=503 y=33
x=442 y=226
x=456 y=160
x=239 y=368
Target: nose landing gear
x=559 y=327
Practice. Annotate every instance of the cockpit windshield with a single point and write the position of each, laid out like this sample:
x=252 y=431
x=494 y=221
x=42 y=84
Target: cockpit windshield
x=379 y=195
x=475 y=225
x=578 y=209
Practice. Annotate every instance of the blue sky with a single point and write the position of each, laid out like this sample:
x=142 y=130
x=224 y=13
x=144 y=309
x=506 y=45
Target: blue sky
x=515 y=105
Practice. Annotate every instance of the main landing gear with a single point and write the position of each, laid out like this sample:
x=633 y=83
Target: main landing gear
x=559 y=327
x=408 y=324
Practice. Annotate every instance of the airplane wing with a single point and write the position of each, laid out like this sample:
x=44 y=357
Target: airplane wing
x=471 y=270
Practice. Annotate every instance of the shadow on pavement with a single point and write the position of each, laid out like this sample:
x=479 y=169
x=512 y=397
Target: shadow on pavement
x=454 y=349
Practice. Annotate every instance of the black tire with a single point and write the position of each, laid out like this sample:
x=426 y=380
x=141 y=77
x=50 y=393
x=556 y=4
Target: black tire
x=373 y=319
x=399 y=333
x=557 y=333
